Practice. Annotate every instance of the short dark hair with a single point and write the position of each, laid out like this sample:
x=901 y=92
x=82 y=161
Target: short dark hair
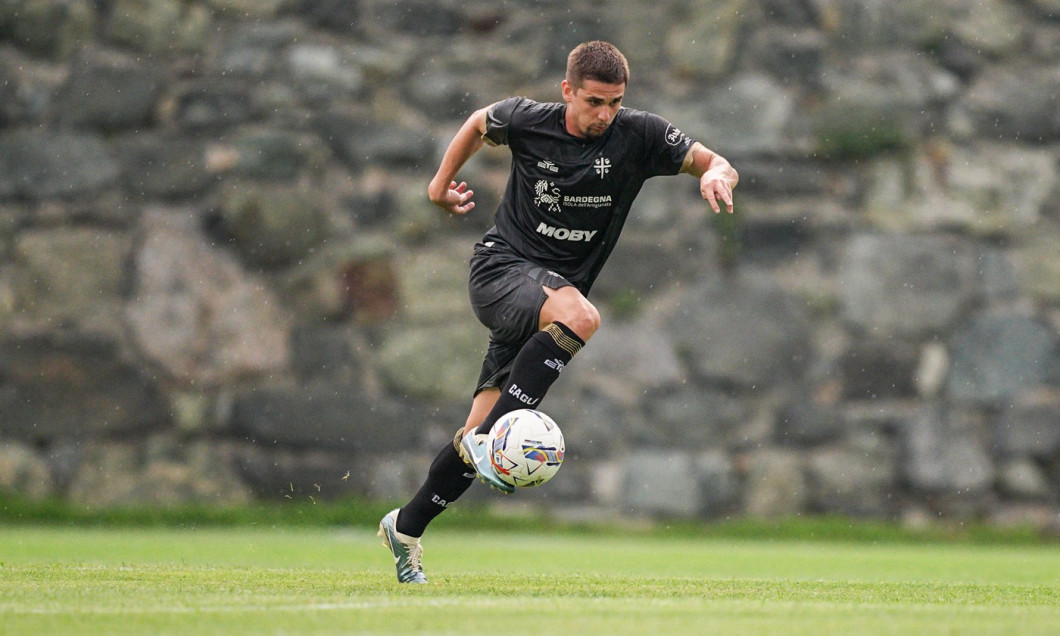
x=597 y=60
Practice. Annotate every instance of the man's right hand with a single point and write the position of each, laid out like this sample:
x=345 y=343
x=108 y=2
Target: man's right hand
x=456 y=199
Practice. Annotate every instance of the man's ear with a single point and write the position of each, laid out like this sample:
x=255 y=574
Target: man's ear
x=568 y=91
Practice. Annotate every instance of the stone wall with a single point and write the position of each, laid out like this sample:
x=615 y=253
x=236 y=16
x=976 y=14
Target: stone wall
x=220 y=278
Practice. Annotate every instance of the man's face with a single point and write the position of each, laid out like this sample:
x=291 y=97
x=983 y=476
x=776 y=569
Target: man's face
x=591 y=107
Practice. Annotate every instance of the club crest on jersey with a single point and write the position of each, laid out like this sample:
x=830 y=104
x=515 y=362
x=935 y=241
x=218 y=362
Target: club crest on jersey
x=602 y=165
x=549 y=197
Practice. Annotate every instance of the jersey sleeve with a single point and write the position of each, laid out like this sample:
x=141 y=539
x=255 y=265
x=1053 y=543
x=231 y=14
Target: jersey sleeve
x=666 y=145
x=499 y=119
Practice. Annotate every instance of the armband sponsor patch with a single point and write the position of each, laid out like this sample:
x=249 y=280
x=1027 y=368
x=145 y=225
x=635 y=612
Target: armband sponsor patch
x=674 y=136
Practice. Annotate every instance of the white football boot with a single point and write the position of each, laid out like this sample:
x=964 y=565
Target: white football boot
x=407 y=550
x=473 y=451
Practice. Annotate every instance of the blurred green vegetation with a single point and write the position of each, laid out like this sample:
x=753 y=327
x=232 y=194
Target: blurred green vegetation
x=358 y=513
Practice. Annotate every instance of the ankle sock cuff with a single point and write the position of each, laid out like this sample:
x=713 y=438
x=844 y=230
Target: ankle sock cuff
x=407 y=539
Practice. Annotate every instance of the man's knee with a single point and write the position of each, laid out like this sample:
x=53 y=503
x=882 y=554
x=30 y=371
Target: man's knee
x=584 y=321
x=570 y=307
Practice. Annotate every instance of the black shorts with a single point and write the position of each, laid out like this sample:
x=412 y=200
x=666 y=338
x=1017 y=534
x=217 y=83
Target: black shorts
x=506 y=295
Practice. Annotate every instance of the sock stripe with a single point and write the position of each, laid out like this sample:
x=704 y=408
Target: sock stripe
x=568 y=343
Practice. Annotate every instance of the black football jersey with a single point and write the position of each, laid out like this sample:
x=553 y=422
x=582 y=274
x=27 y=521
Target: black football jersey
x=567 y=198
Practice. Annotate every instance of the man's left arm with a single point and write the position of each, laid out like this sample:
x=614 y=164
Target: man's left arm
x=716 y=176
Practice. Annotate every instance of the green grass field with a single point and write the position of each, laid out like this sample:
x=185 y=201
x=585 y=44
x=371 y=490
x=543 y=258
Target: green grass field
x=294 y=580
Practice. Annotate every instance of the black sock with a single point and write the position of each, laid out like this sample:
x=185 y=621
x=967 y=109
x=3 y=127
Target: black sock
x=537 y=366
x=448 y=478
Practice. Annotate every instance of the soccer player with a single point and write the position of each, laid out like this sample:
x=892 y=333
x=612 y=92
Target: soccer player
x=576 y=168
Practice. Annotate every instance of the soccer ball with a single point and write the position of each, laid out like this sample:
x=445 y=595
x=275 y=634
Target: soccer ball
x=525 y=447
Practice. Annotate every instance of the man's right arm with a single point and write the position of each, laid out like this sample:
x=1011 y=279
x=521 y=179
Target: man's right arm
x=443 y=190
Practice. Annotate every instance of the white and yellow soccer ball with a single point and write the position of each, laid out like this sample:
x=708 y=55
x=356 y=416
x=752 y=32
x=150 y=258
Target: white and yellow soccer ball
x=526 y=448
